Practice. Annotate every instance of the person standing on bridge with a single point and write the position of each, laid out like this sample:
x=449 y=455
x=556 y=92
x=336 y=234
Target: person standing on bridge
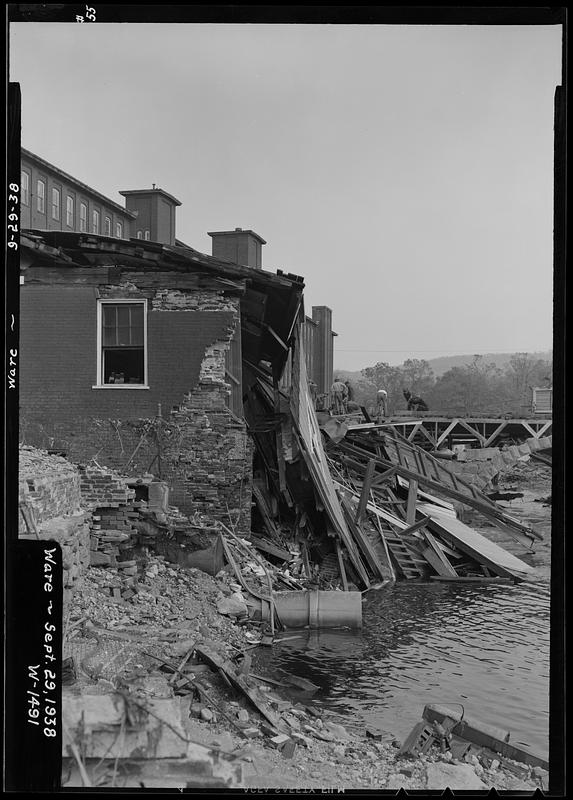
x=339 y=396
x=381 y=405
x=414 y=403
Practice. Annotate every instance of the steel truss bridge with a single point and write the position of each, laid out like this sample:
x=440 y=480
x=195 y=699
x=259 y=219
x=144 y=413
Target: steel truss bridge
x=432 y=432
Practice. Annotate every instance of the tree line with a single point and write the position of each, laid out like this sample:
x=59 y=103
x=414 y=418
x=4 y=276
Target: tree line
x=478 y=388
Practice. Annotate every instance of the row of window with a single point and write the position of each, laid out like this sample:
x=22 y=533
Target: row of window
x=70 y=209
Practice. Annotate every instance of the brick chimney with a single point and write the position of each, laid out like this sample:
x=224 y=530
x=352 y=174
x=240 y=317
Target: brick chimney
x=241 y=247
x=155 y=214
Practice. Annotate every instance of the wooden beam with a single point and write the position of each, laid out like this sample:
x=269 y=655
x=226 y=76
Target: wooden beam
x=496 y=433
x=475 y=500
x=437 y=558
x=471 y=430
x=341 y=566
x=361 y=539
x=384 y=476
x=411 y=506
x=447 y=432
x=416 y=526
x=279 y=439
x=366 y=486
x=275 y=335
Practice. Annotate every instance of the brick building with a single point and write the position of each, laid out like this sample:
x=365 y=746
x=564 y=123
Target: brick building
x=55 y=201
x=138 y=355
x=137 y=350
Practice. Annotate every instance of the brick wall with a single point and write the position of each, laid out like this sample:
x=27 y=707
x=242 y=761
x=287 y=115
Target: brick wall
x=101 y=487
x=197 y=446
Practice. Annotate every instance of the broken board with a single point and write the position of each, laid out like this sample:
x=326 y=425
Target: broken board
x=462 y=537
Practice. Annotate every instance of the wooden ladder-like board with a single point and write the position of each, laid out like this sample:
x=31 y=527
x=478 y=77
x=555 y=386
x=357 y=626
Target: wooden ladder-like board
x=410 y=565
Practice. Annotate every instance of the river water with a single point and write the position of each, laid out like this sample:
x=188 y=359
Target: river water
x=482 y=646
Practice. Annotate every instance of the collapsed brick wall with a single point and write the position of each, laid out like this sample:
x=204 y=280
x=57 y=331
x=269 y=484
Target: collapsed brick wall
x=101 y=487
x=48 y=484
x=49 y=489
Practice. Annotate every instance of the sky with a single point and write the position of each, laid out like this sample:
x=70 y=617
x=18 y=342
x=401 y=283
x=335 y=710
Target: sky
x=406 y=171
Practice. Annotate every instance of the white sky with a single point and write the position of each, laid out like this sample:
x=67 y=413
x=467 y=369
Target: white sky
x=405 y=171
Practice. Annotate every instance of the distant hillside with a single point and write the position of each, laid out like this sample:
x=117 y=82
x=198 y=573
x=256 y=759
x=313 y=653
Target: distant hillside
x=443 y=364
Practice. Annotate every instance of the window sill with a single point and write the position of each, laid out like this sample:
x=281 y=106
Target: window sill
x=121 y=386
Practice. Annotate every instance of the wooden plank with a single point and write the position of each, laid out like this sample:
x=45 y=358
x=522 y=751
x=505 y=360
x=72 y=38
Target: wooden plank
x=366 y=485
x=416 y=526
x=384 y=476
x=475 y=499
x=305 y=559
x=471 y=430
x=411 y=506
x=446 y=433
x=240 y=684
x=495 y=433
x=362 y=540
x=437 y=557
x=341 y=566
x=279 y=440
x=269 y=547
x=478 y=547
x=265 y=511
x=310 y=440
x=482 y=734
x=386 y=550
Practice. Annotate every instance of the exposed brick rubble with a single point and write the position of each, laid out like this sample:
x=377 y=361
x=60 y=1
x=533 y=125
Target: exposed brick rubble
x=103 y=487
x=51 y=508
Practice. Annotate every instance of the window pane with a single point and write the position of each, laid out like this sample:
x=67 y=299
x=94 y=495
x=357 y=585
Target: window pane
x=109 y=337
x=123 y=315
x=123 y=366
x=109 y=314
x=25 y=188
x=137 y=315
x=123 y=336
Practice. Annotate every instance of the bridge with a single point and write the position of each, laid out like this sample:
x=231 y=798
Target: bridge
x=434 y=432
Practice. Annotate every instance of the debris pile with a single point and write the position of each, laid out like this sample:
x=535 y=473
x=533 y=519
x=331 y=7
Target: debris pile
x=164 y=695
x=363 y=505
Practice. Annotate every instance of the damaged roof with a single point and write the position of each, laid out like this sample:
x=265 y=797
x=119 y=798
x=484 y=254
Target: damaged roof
x=270 y=302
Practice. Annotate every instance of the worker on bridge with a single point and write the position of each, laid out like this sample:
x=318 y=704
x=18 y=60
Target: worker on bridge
x=414 y=403
x=339 y=392
x=381 y=405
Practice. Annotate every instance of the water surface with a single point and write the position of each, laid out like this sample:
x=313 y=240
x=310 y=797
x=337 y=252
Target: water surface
x=482 y=646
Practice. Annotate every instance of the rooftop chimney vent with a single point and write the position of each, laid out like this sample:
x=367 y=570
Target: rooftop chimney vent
x=239 y=246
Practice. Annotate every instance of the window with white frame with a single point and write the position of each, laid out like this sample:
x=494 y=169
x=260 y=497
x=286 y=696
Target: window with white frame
x=122 y=342
x=119 y=230
x=95 y=221
x=70 y=211
x=25 y=184
x=107 y=226
x=56 y=204
x=147 y=236
x=83 y=217
x=140 y=234
x=41 y=196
